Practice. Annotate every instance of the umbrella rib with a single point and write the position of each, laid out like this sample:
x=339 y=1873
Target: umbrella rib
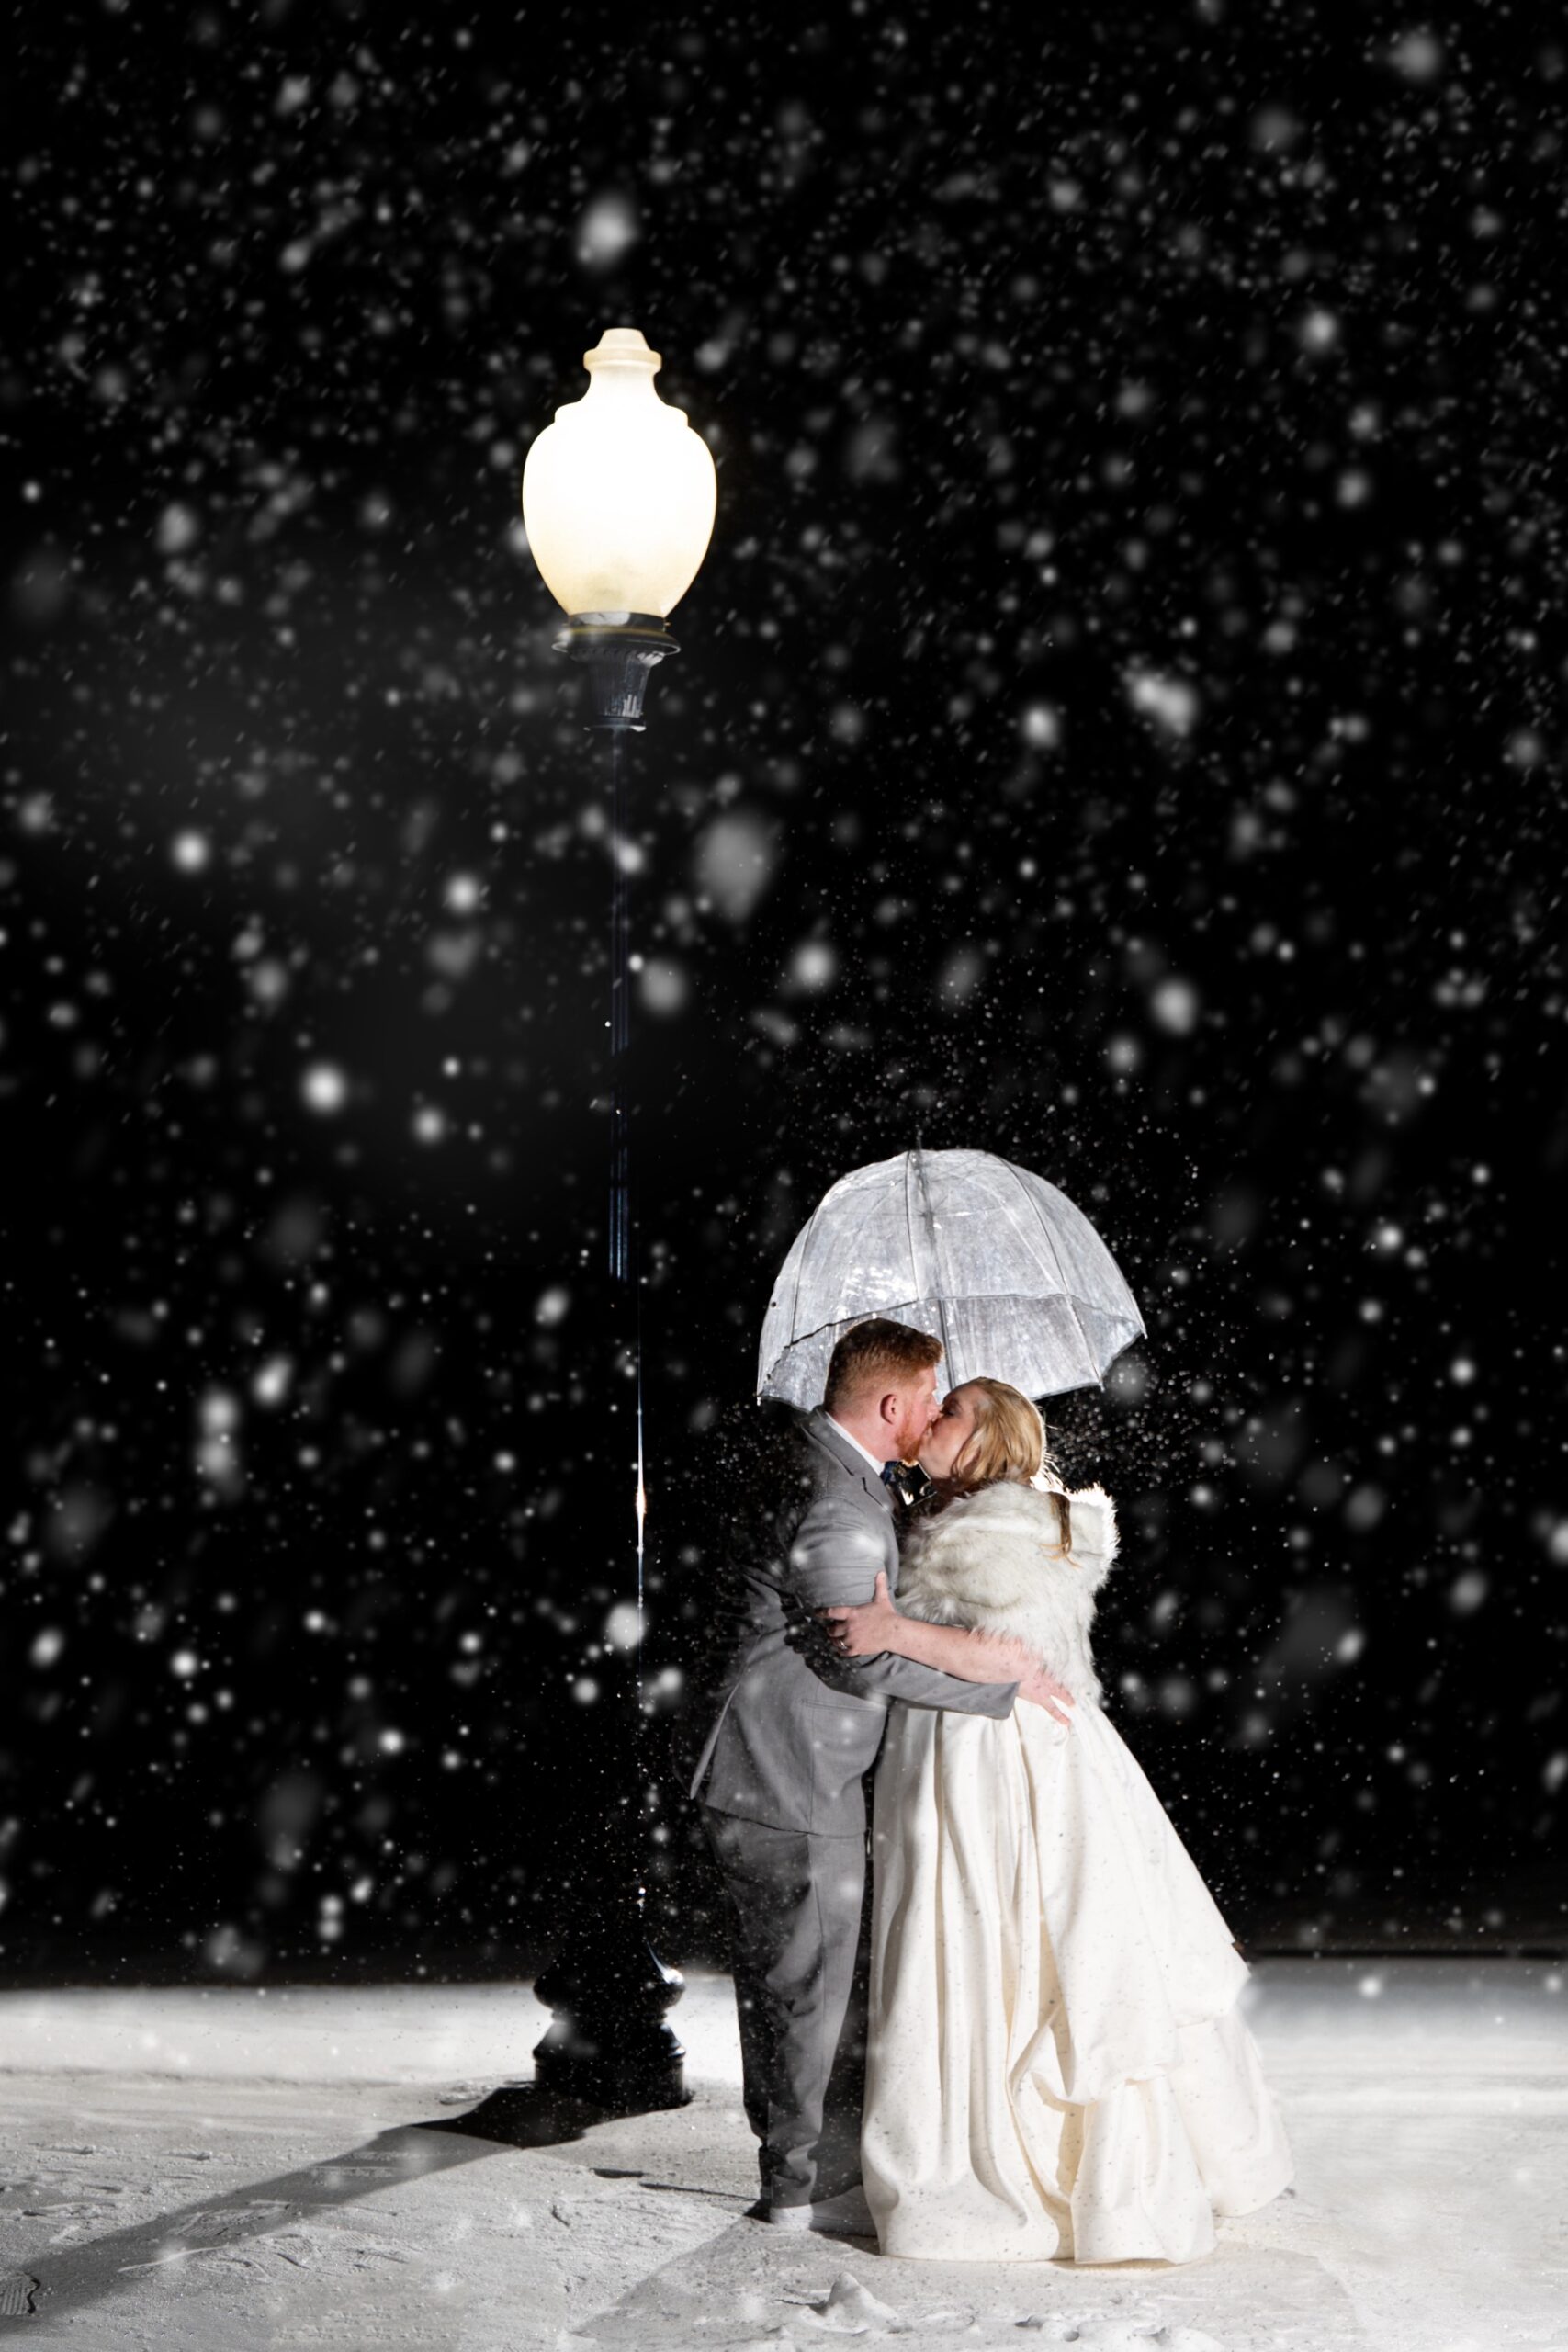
x=795 y=1337
x=800 y=1270
x=871 y=1211
x=910 y=1227
x=768 y=1371
x=1056 y=1262
x=918 y=1158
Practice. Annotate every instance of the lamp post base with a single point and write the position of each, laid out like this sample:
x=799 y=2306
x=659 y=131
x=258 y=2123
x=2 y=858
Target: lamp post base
x=620 y=648
x=608 y=2045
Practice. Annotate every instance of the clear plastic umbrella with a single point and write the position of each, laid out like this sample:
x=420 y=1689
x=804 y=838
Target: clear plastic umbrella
x=990 y=1259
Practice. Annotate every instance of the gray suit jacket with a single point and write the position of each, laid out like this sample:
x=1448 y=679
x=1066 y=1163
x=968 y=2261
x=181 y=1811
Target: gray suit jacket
x=791 y=1727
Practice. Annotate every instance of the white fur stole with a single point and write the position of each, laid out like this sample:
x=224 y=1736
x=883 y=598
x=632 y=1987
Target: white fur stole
x=994 y=1561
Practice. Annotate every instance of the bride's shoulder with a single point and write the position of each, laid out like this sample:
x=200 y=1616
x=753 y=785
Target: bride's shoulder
x=1093 y=1516
x=1029 y=1507
x=1002 y=1553
x=1033 y=1505
x=1008 y=1511
x=1005 y=1510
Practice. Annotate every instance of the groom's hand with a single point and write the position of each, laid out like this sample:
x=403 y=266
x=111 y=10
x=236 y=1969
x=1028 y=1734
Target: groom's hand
x=1043 y=1689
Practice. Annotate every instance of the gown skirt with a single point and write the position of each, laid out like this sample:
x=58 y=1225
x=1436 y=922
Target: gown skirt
x=1057 y=2066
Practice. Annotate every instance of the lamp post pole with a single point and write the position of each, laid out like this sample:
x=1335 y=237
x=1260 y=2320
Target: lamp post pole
x=618 y=501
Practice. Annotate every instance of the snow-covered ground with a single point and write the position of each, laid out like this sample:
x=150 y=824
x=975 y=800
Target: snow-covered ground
x=221 y=2167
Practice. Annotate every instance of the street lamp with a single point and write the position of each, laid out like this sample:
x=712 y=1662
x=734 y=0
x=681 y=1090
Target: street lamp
x=618 y=501
x=619 y=497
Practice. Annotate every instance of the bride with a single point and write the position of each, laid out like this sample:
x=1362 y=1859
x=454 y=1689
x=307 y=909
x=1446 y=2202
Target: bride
x=1058 y=2065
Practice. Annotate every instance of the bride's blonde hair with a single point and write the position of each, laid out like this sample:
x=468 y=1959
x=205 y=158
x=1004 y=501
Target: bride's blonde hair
x=1006 y=1443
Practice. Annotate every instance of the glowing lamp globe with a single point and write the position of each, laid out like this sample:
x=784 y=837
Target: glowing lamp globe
x=619 y=493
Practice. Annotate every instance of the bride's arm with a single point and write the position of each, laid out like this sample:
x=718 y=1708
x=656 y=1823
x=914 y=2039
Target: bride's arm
x=876 y=1626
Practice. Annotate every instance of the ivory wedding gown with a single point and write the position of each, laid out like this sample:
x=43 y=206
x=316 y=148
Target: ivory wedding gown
x=1056 y=2066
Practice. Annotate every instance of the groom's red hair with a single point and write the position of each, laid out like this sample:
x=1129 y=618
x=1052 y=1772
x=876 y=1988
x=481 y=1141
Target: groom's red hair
x=877 y=1354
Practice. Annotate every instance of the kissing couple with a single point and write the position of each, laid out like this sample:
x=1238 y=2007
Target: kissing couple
x=1034 y=2049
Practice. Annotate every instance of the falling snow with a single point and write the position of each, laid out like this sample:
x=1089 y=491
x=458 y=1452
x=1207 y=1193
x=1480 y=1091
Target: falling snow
x=1118 y=725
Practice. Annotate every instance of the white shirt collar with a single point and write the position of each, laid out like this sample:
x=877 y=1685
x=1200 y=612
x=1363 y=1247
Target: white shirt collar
x=863 y=1450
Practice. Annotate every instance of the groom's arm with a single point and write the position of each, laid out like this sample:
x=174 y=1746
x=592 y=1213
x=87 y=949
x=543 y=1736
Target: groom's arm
x=833 y=1562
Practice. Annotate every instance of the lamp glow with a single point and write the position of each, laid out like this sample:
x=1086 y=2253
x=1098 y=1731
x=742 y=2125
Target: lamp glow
x=619 y=493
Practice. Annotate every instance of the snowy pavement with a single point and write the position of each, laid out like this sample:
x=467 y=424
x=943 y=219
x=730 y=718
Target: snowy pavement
x=222 y=2168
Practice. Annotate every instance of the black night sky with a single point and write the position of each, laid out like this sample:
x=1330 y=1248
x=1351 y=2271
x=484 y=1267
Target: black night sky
x=1118 y=726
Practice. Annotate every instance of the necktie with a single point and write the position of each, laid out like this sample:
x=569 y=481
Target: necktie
x=906 y=1482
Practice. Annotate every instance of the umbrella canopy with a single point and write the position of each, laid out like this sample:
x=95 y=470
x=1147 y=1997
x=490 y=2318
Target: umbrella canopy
x=990 y=1259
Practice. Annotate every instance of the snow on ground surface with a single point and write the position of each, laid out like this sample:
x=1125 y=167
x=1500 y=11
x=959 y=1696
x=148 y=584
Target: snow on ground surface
x=220 y=2168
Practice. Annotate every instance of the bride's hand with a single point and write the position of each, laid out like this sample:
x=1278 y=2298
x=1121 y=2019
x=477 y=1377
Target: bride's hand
x=1043 y=1689
x=867 y=1631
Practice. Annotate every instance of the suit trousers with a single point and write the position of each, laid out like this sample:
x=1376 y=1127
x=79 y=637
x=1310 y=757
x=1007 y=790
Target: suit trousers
x=801 y=1937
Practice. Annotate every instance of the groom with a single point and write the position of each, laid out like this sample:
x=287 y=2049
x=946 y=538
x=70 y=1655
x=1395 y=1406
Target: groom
x=793 y=1731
